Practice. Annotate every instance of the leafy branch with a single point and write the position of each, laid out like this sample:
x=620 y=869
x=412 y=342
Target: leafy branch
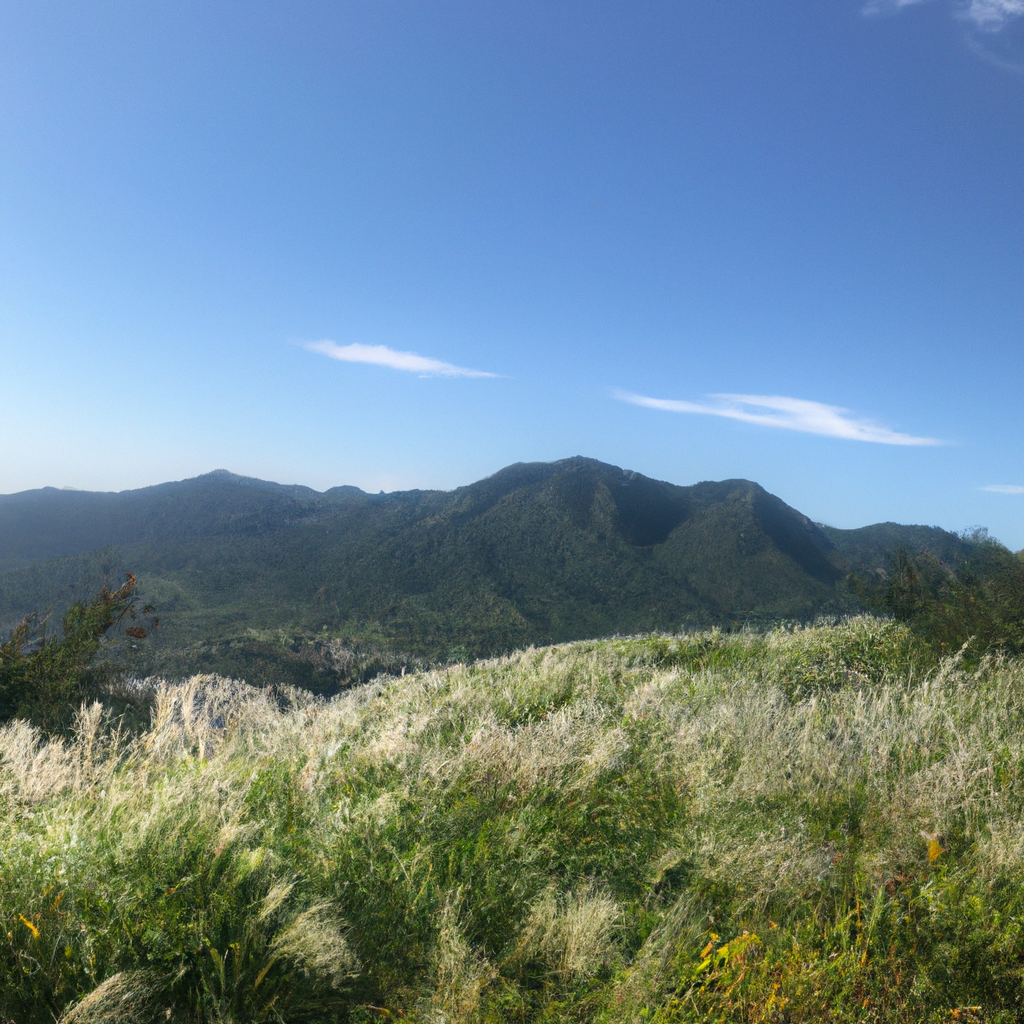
x=45 y=674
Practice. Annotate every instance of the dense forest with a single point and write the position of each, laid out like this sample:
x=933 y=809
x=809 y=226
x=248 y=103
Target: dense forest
x=254 y=579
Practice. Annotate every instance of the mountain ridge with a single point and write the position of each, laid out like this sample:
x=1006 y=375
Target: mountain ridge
x=534 y=553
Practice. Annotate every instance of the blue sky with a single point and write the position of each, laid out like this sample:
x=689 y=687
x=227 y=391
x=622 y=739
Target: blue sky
x=404 y=244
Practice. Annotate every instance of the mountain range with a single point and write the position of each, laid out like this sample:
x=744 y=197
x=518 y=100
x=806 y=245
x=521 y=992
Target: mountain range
x=252 y=576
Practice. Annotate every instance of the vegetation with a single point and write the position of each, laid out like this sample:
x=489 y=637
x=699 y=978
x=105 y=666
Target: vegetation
x=799 y=825
x=974 y=599
x=44 y=675
x=538 y=553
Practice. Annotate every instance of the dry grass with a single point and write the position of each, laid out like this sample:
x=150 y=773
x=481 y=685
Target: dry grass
x=578 y=833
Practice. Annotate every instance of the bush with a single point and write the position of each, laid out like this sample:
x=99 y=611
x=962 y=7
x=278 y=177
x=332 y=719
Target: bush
x=44 y=677
x=977 y=601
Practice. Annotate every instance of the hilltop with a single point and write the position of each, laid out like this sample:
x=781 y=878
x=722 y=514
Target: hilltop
x=800 y=825
x=307 y=583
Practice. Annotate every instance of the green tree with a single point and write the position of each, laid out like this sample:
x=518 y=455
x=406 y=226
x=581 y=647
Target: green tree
x=978 y=601
x=45 y=675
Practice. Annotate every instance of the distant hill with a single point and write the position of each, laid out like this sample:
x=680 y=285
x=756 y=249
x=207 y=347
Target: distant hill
x=869 y=547
x=536 y=553
x=47 y=523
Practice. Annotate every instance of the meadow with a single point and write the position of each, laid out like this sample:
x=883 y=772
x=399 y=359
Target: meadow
x=805 y=824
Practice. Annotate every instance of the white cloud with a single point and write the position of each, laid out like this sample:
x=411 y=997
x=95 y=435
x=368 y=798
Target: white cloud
x=786 y=413
x=381 y=355
x=989 y=15
x=993 y=14
x=1004 y=489
x=888 y=6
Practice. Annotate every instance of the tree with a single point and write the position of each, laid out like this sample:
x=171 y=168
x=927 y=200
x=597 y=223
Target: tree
x=977 y=601
x=44 y=676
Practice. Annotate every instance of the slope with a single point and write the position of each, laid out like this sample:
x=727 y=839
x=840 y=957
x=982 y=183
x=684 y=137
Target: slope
x=536 y=553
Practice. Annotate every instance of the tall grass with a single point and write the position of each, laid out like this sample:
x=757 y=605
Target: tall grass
x=790 y=826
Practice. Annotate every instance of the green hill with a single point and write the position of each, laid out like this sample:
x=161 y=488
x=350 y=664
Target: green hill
x=798 y=825
x=247 y=574
x=870 y=547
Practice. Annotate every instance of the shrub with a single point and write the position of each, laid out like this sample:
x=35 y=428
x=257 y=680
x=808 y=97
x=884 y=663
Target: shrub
x=45 y=676
x=977 y=601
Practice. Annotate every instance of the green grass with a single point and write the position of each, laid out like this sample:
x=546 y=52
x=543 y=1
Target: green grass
x=801 y=825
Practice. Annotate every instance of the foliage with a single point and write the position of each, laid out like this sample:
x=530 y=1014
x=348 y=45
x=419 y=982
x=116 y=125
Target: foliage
x=322 y=591
x=320 y=663
x=537 y=553
x=45 y=676
x=975 y=599
x=800 y=825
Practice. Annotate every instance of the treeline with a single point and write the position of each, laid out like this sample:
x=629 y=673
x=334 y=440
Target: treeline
x=973 y=602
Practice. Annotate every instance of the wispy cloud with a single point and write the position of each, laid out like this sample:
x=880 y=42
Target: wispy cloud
x=888 y=6
x=988 y=15
x=785 y=413
x=992 y=15
x=381 y=355
x=1004 y=489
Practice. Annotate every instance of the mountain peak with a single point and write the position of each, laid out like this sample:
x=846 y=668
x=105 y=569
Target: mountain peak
x=537 y=552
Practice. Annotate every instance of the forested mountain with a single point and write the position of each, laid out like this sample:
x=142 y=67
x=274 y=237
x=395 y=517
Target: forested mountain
x=536 y=553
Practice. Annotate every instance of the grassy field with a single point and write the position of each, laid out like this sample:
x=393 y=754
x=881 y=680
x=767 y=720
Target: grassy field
x=801 y=825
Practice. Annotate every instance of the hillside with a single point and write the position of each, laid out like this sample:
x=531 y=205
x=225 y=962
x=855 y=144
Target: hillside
x=536 y=553
x=790 y=826
x=869 y=547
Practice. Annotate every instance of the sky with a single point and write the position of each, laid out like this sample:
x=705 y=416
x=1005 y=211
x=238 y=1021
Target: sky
x=405 y=244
